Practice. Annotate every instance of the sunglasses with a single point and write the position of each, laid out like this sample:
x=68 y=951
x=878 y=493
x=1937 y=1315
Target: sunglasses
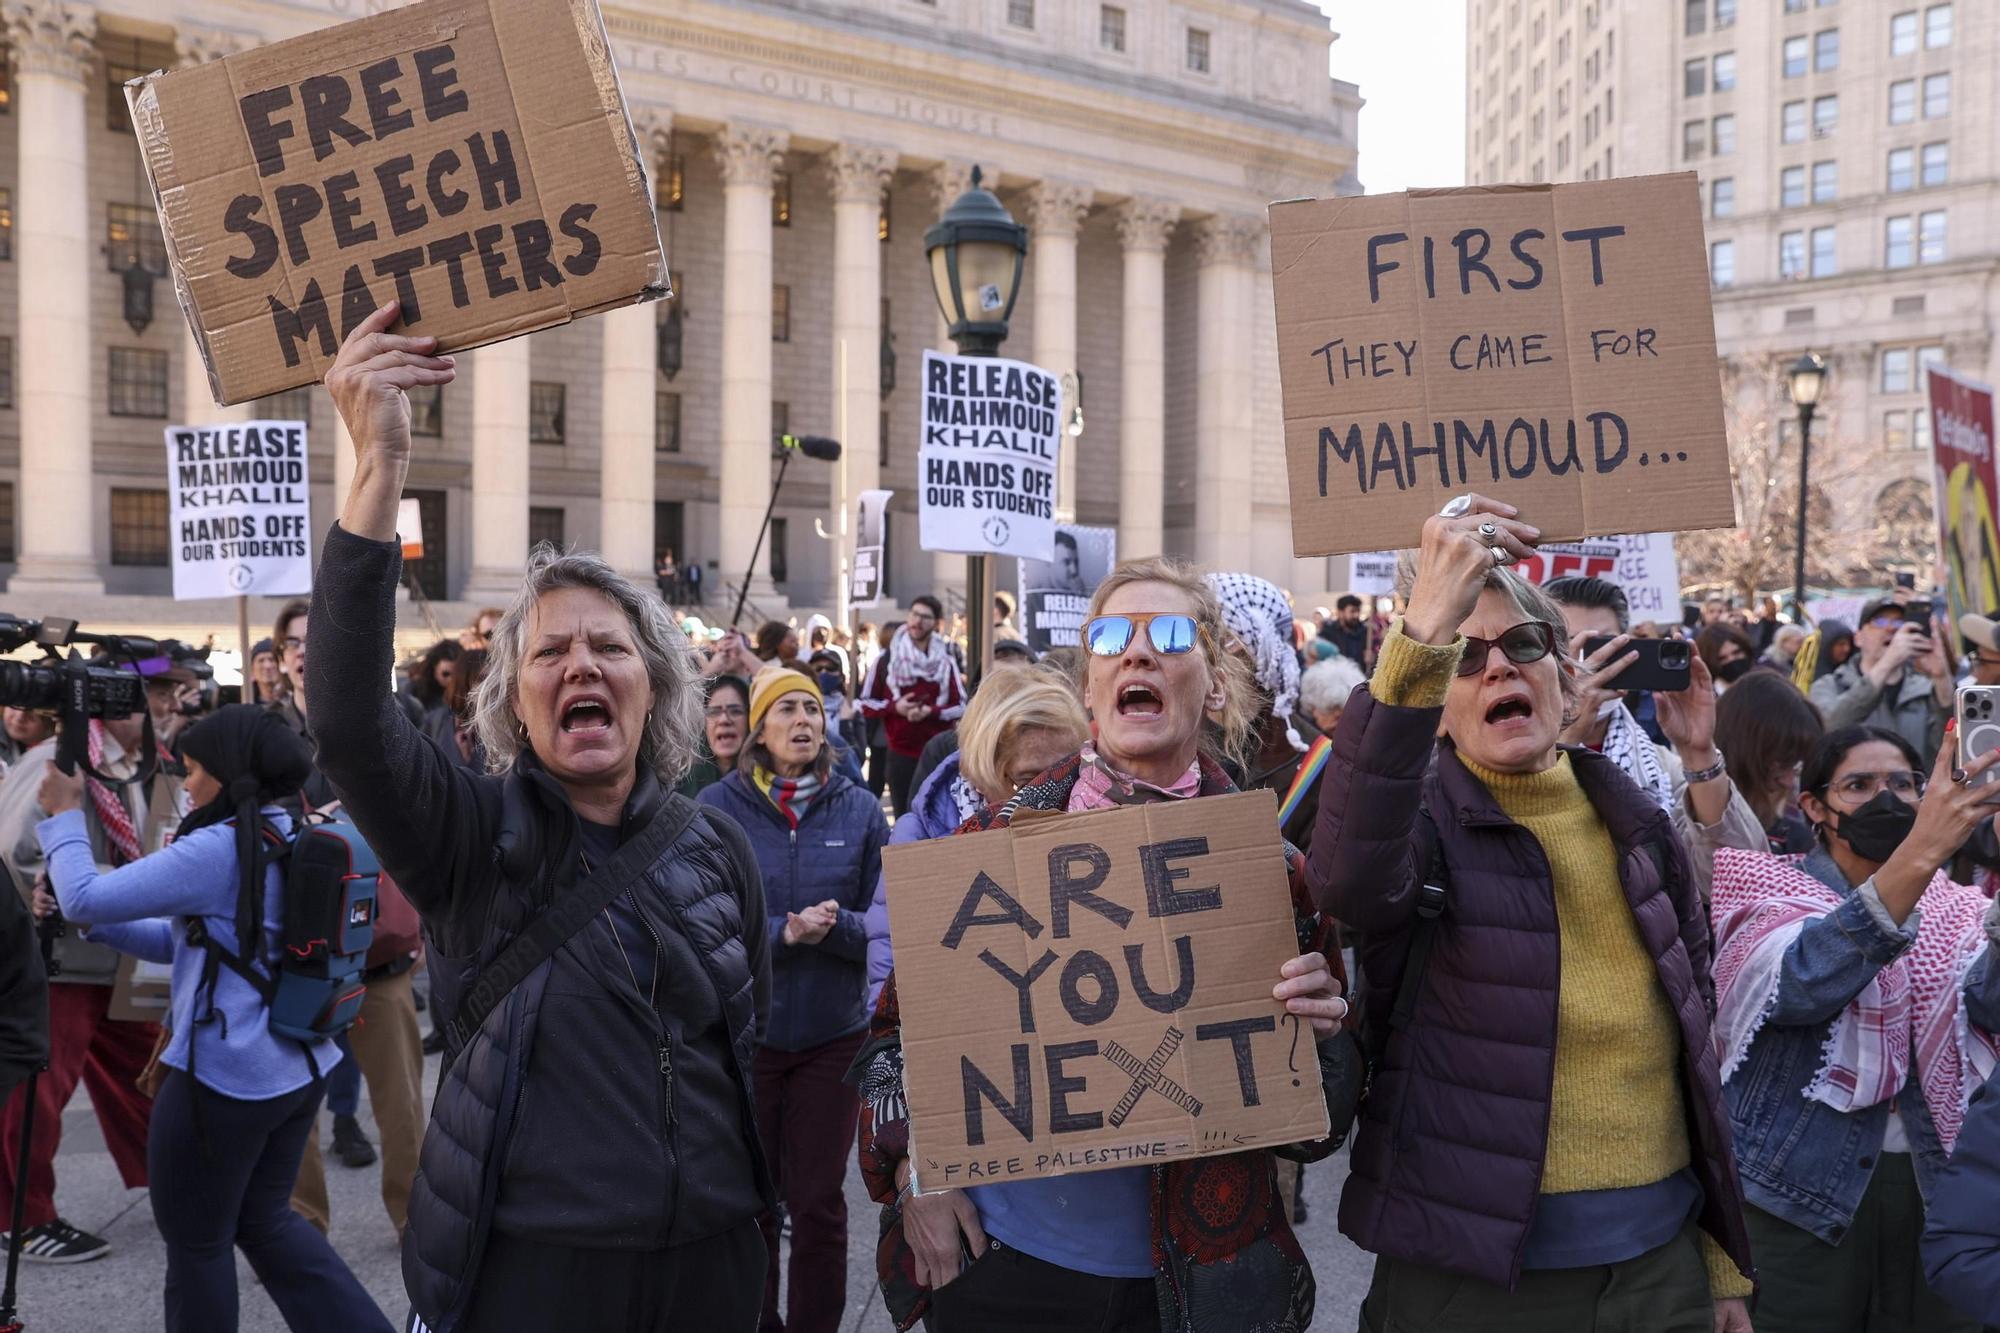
x=1529 y=641
x=1171 y=633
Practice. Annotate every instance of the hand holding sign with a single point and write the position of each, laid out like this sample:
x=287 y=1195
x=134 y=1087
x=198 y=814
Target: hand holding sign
x=1457 y=553
x=1309 y=990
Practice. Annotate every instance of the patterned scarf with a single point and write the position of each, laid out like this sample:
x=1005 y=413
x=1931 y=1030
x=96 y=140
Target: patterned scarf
x=792 y=796
x=112 y=814
x=1911 y=1010
x=1102 y=787
x=909 y=664
x=1627 y=745
x=1261 y=619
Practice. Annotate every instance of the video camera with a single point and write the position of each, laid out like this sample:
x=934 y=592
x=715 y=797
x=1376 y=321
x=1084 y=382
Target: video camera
x=77 y=690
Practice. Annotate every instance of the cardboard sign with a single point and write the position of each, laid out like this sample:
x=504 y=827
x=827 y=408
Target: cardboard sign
x=870 y=533
x=1962 y=449
x=1055 y=594
x=1644 y=565
x=239 y=510
x=1089 y=991
x=1547 y=345
x=987 y=467
x=471 y=157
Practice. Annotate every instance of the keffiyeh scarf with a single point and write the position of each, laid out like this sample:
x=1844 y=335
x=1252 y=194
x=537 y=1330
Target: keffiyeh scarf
x=1261 y=619
x=1910 y=1011
x=909 y=664
x=1627 y=745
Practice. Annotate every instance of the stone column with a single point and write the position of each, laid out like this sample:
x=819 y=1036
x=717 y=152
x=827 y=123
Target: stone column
x=749 y=155
x=56 y=506
x=499 y=470
x=860 y=173
x=197 y=46
x=948 y=180
x=1055 y=210
x=629 y=379
x=1226 y=246
x=1143 y=227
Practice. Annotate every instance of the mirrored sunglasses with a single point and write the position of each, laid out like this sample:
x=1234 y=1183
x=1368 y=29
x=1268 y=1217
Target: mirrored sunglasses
x=1171 y=633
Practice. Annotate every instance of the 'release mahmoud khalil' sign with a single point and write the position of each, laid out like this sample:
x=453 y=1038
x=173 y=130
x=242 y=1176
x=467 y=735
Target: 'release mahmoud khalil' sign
x=986 y=467
x=239 y=510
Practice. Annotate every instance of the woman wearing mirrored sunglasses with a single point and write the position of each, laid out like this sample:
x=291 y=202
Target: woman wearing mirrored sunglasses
x=1084 y=1252
x=1543 y=1146
x=1854 y=1024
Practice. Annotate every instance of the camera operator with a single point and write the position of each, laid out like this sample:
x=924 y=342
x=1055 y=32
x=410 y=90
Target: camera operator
x=125 y=822
x=21 y=730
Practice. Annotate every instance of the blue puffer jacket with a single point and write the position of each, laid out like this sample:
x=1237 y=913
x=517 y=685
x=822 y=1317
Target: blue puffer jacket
x=1961 y=1226
x=934 y=813
x=817 y=990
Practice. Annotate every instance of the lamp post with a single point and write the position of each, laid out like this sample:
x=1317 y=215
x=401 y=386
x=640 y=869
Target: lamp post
x=976 y=252
x=1806 y=380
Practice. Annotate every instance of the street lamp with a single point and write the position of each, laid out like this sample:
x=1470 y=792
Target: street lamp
x=977 y=251
x=1807 y=381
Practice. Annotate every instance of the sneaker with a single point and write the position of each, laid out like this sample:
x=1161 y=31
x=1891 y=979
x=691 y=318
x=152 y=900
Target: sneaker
x=58 y=1242
x=350 y=1145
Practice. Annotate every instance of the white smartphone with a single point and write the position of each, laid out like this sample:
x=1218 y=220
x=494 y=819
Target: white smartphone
x=1979 y=728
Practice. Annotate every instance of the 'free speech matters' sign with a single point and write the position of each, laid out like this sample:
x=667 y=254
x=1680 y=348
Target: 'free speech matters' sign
x=1551 y=346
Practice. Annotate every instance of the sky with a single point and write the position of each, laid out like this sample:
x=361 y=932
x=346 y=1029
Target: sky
x=1408 y=56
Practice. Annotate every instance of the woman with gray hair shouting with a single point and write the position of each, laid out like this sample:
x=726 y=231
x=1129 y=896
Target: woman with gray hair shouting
x=597 y=939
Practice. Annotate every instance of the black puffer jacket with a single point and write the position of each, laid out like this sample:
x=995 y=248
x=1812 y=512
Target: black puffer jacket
x=556 y=1122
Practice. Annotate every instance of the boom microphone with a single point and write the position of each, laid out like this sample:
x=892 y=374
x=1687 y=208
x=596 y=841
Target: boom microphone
x=813 y=446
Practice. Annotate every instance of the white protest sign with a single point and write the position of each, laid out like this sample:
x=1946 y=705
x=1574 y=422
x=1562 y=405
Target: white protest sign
x=410 y=527
x=1371 y=573
x=987 y=465
x=865 y=587
x=1643 y=565
x=239 y=509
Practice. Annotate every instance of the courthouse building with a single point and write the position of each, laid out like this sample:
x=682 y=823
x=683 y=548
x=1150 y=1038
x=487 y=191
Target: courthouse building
x=800 y=148
x=1849 y=155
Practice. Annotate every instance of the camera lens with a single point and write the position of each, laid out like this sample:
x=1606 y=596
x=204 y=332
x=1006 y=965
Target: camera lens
x=23 y=685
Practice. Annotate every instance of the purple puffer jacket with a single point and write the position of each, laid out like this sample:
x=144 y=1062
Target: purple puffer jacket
x=1447 y=1165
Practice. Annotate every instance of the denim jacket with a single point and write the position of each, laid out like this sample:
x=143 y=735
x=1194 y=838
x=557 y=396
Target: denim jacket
x=1800 y=1160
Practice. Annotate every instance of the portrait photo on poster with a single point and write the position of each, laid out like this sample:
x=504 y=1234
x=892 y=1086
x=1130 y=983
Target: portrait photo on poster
x=1055 y=594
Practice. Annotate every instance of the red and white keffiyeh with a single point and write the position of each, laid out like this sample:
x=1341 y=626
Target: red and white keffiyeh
x=1912 y=1007
x=909 y=664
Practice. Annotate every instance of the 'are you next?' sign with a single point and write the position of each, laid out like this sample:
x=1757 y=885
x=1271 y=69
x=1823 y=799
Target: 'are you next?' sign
x=1548 y=345
x=1081 y=992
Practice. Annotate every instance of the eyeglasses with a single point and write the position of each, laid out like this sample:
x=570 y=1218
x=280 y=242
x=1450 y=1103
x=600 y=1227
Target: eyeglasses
x=717 y=712
x=1529 y=641
x=294 y=641
x=1887 y=622
x=1860 y=787
x=1171 y=632
x=923 y=618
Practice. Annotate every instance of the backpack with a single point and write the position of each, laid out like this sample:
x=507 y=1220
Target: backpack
x=314 y=988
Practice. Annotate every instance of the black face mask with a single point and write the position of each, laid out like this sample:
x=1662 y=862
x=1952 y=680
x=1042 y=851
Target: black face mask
x=1731 y=672
x=1878 y=828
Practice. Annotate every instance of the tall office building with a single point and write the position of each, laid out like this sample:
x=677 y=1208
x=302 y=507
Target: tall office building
x=1850 y=179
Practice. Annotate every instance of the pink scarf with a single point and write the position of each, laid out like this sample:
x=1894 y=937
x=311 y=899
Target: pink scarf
x=1911 y=1010
x=1102 y=787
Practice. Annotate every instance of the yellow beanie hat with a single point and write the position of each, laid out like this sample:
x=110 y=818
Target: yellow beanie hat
x=772 y=684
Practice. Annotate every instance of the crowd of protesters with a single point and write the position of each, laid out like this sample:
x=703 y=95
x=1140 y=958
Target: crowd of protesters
x=1670 y=1010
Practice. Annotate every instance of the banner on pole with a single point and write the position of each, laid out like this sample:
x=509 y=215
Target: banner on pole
x=1962 y=450
x=239 y=510
x=987 y=466
x=1643 y=565
x=1055 y=594
x=865 y=588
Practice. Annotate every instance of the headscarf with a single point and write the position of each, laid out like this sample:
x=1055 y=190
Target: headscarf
x=1259 y=616
x=1830 y=633
x=257 y=759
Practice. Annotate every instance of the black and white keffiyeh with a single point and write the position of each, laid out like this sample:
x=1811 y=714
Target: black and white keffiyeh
x=1627 y=745
x=1259 y=616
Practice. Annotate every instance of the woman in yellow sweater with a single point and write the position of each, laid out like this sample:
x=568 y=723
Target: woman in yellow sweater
x=1543 y=1146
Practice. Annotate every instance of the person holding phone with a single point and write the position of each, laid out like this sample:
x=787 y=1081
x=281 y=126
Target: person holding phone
x=1900 y=677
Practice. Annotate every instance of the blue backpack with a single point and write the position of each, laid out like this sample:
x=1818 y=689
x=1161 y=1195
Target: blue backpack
x=314 y=986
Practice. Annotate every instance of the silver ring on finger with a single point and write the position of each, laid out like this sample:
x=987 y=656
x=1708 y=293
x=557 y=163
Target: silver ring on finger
x=1488 y=530
x=1501 y=555
x=1457 y=505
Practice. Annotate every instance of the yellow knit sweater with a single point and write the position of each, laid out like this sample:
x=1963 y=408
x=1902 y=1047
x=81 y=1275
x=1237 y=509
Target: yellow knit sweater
x=1615 y=1113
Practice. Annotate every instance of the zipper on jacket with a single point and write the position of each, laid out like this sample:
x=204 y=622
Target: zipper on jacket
x=663 y=1041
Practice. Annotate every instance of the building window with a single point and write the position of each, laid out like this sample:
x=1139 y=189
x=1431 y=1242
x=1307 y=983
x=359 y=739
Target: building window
x=132 y=231
x=545 y=524
x=1792 y=187
x=1021 y=14
x=1896 y=429
x=1792 y=254
x=781 y=198
x=117 y=115
x=1937 y=164
x=290 y=405
x=1722 y=197
x=1197 y=50
x=1826 y=115
x=1111 y=28
x=426 y=409
x=781 y=565
x=6 y=222
x=669 y=527
x=1795 y=6
x=666 y=422
x=1899 y=243
x=1937 y=95
x=1896 y=377
x=781 y=313
x=1562 y=154
x=1793 y=123
x=1724 y=135
x=670 y=184
x=1694 y=78
x=1722 y=263
x=138 y=386
x=1930 y=237
x=6 y=372
x=781 y=422
x=1825 y=261
x=1725 y=14
x=428 y=572
x=1937 y=26
x=1826 y=50
x=546 y=417
x=1696 y=21
x=1902 y=101
x=1902 y=170
x=1796 y=49
x=138 y=526
x=1920 y=435
x=1725 y=72
x=1825 y=182
x=6 y=522
x=1903 y=33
